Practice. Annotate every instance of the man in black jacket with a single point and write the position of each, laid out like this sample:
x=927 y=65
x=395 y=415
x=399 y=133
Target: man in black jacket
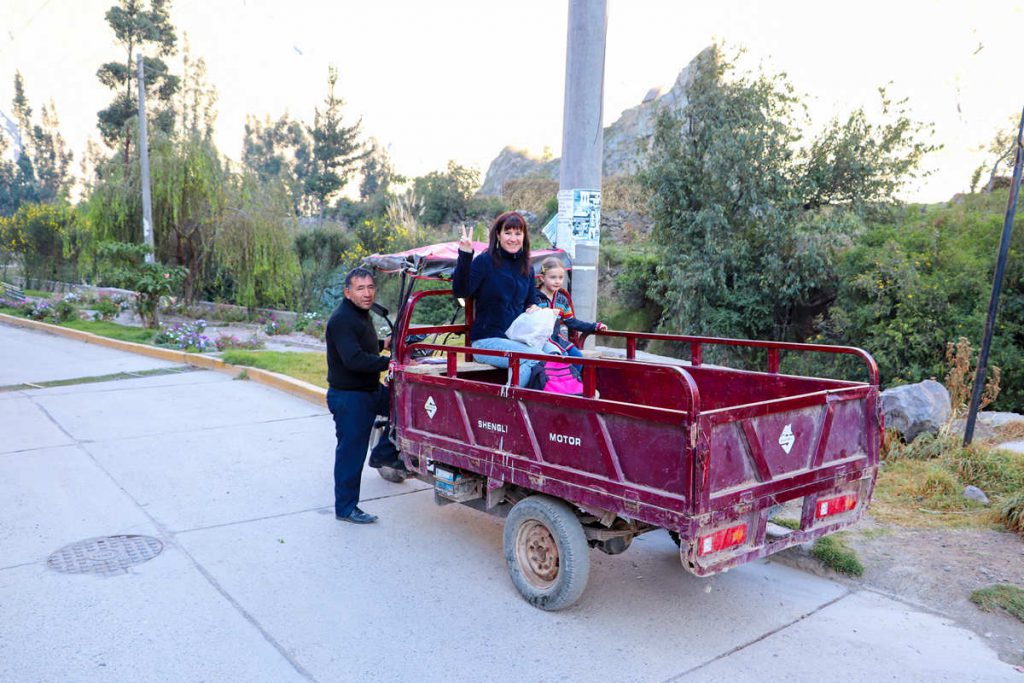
x=355 y=395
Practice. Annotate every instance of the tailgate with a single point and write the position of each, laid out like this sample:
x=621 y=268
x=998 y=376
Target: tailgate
x=817 y=452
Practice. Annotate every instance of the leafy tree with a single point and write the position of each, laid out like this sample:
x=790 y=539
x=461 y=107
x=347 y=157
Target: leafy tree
x=337 y=149
x=446 y=195
x=52 y=156
x=114 y=207
x=40 y=173
x=22 y=111
x=188 y=203
x=137 y=28
x=195 y=105
x=378 y=173
x=188 y=179
x=753 y=215
x=319 y=252
x=254 y=248
x=47 y=238
x=1000 y=152
x=279 y=152
x=18 y=185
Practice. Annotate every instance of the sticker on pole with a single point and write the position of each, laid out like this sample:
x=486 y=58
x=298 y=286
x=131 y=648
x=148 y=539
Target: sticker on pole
x=430 y=407
x=787 y=439
x=579 y=218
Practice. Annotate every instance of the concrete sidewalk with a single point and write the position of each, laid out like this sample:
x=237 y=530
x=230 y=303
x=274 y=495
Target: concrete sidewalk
x=256 y=581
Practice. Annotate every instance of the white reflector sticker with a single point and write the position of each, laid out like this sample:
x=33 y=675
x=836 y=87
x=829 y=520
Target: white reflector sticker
x=787 y=438
x=708 y=544
x=823 y=510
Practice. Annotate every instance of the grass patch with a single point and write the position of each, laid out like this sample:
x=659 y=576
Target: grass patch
x=992 y=470
x=37 y=293
x=787 y=522
x=309 y=367
x=922 y=484
x=834 y=554
x=103 y=328
x=1011 y=511
x=49 y=384
x=1003 y=596
x=916 y=493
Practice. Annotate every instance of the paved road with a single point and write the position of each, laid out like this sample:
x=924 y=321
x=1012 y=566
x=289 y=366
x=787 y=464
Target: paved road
x=258 y=582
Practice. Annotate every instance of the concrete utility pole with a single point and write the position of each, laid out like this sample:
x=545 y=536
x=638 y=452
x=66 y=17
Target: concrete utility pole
x=147 y=202
x=579 y=187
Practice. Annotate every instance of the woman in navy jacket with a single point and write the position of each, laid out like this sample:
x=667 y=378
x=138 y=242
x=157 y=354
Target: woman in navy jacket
x=500 y=281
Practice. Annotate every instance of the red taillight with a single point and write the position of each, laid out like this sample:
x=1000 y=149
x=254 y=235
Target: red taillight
x=722 y=539
x=835 y=506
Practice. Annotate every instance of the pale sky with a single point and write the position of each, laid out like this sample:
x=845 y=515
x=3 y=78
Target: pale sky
x=460 y=79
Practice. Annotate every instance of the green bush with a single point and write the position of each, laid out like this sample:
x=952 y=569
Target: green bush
x=919 y=277
x=105 y=309
x=122 y=265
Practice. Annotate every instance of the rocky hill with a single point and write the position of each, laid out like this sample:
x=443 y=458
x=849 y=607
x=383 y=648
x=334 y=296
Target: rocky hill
x=624 y=141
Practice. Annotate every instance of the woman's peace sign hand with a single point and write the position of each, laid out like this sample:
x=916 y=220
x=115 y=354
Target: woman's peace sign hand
x=466 y=239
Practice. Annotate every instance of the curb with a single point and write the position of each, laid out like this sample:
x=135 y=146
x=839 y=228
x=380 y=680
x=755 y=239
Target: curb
x=295 y=387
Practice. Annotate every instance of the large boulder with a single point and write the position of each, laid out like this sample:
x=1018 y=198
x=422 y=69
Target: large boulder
x=915 y=409
x=987 y=424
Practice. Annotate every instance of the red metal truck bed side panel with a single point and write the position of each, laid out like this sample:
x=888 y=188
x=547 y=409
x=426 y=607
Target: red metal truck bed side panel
x=652 y=455
x=571 y=438
x=848 y=435
x=731 y=464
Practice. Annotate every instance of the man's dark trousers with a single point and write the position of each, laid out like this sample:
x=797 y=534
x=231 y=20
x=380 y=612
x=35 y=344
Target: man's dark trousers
x=354 y=413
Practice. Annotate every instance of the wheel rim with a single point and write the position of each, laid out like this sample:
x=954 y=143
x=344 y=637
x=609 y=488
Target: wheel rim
x=537 y=554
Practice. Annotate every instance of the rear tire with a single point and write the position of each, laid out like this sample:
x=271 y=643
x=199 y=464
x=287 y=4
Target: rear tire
x=547 y=552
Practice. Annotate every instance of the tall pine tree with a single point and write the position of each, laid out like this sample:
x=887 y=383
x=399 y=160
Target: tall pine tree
x=337 y=149
x=138 y=28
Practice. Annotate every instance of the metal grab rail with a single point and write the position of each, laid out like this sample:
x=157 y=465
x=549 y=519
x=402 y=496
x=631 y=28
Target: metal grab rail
x=403 y=324
x=590 y=366
x=772 y=347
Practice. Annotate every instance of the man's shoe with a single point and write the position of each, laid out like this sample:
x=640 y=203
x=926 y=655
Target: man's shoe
x=357 y=516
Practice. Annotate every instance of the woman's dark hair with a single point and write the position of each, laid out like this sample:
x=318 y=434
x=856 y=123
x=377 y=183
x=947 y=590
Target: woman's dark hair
x=510 y=219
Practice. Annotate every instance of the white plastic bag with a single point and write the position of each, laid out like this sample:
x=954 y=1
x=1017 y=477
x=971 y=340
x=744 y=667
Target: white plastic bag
x=533 y=329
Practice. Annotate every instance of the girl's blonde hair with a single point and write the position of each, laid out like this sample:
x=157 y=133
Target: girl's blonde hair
x=550 y=263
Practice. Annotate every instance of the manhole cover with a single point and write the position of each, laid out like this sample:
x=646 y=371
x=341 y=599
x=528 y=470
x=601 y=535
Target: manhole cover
x=104 y=555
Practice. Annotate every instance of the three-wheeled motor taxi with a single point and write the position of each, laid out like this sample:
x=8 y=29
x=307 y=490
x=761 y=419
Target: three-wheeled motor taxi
x=708 y=452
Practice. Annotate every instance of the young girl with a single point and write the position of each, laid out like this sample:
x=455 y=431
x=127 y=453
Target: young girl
x=552 y=276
